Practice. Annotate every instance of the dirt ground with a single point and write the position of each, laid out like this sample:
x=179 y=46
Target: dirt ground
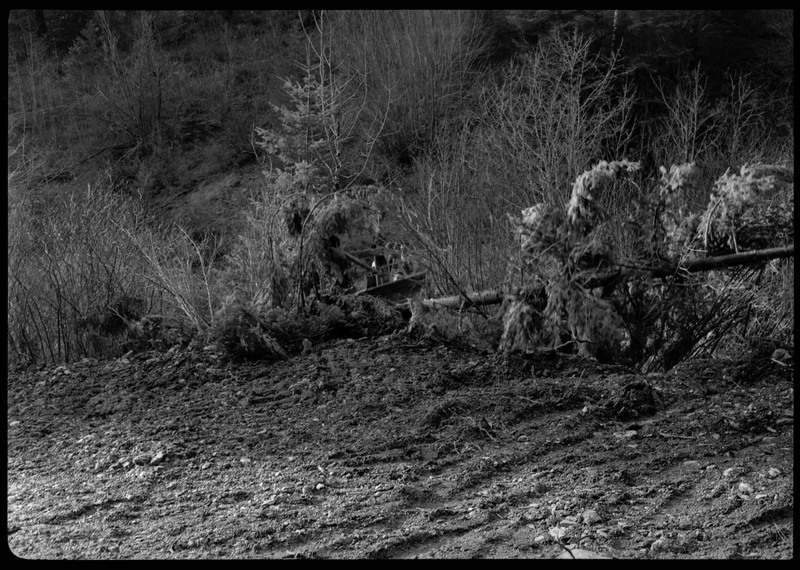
x=398 y=448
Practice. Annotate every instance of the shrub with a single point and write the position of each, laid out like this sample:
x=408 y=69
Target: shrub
x=252 y=330
x=74 y=283
x=413 y=70
x=551 y=113
x=309 y=206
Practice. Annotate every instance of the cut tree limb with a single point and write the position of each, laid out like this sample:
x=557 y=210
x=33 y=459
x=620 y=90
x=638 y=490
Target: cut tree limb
x=721 y=261
x=493 y=296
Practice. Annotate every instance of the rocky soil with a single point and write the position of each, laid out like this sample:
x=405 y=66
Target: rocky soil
x=398 y=448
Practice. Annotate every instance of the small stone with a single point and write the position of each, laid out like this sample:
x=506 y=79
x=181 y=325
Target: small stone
x=568 y=521
x=244 y=460
x=773 y=472
x=533 y=516
x=692 y=464
x=730 y=472
x=782 y=356
x=628 y=434
x=319 y=486
x=660 y=544
x=745 y=488
x=141 y=459
x=157 y=458
x=591 y=517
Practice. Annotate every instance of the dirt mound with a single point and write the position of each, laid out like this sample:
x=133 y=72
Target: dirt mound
x=393 y=448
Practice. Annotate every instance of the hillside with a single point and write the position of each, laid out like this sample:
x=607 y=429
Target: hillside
x=400 y=283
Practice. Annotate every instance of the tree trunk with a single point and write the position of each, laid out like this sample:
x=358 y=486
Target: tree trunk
x=41 y=24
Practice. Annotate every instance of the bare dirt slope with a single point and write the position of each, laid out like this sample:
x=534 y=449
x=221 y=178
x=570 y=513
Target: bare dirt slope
x=396 y=448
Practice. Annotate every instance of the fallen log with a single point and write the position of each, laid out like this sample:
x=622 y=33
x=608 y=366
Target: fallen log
x=694 y=265
x=493 y=296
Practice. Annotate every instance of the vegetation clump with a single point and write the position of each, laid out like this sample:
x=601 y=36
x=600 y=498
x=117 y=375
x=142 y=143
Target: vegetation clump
x=187 y=161
x=245 y=330
x=608 y=301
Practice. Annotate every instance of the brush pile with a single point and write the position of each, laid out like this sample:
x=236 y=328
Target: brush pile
x=245 y=330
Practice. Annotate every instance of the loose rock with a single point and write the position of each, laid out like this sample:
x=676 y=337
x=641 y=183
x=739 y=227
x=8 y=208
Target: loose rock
x=591 y=517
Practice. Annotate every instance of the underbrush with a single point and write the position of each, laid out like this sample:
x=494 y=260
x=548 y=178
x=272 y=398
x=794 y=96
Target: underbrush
x=74 y=283
x=471 y=173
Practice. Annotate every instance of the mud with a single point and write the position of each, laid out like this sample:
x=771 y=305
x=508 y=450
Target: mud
x=398 y=448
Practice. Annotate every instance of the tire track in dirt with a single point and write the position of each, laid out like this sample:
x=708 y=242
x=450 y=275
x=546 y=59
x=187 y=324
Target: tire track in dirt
x=387 y=448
